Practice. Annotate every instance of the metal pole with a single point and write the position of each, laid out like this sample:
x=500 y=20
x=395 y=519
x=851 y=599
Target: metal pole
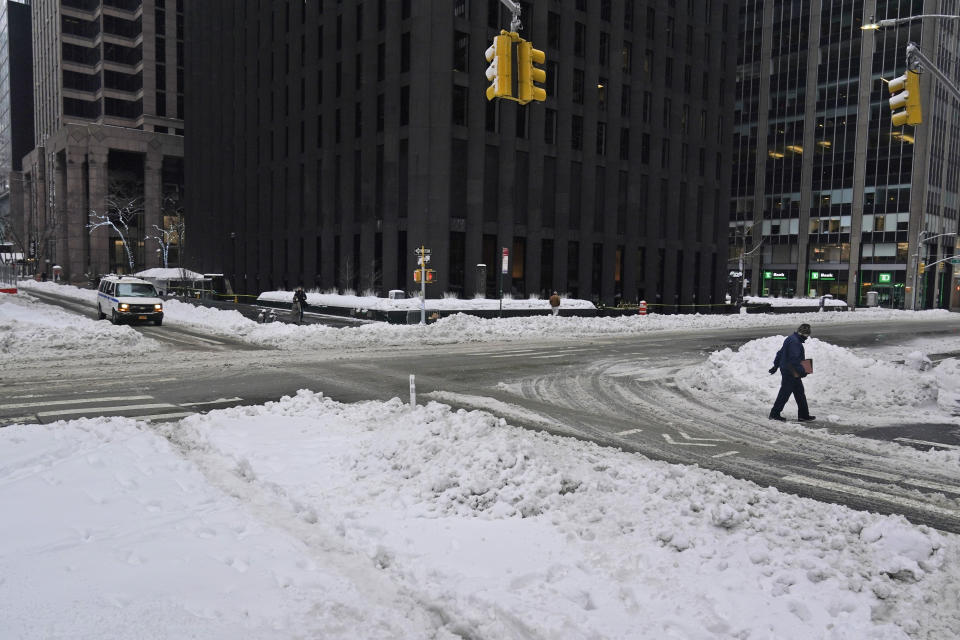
x=500 y=285
x=423 y=285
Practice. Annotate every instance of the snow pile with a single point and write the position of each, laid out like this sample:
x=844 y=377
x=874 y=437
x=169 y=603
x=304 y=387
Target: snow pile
x=948 y=380
x=846 y=385
x=413 y=304
x=310 y=518
x=31 y=330
x=794 y=302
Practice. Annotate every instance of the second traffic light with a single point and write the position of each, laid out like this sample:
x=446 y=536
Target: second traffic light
x=528 y=74
x=905 y=94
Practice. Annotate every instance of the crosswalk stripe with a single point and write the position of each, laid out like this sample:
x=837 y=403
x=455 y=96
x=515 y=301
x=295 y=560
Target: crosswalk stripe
x=876 y=495
x=18 y=420
x=928 y=444
x=125 y=407
x=24 y=405
x=165 y=416
x=217 y=401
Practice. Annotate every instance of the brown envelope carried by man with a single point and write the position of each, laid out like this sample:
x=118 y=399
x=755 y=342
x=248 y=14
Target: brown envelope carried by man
x=807 y=365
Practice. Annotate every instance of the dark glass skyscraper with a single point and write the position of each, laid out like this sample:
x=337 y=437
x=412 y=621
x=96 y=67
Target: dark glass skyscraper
x=828 y=196
x=329 y=139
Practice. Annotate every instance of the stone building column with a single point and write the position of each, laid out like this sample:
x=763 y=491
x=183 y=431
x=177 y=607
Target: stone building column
x=76 y=216
x=97 y=177
x=60 y=220
x=152 y=210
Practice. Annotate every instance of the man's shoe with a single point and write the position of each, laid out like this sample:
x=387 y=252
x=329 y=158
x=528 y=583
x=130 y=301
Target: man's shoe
x=807 y=418
x=777 y=417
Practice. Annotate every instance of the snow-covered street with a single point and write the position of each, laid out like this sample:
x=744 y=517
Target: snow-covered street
x=307 y=518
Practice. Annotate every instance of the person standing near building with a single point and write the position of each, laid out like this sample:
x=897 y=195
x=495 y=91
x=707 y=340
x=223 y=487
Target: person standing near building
x=299 y=300
x=555 y=303
x=789 y=361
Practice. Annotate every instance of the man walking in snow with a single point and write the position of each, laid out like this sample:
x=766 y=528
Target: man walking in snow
x=299 y=299
x=788 y=360
x=555 y=303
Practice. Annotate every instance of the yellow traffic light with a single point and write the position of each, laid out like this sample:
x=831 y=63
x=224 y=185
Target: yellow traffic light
x=905 y=92
x=923 y=266
x=499 y=73
x=527 y=57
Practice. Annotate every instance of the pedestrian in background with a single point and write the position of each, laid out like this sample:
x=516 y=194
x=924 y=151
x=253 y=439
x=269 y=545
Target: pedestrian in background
x=790 y=362
x=555 y=303
x=299 y=300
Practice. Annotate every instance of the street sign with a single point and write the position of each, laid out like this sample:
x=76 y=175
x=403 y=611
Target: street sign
x=955 y=260
x=884 y=278
x=421 y=250
x=828 y=275
x=506 y=256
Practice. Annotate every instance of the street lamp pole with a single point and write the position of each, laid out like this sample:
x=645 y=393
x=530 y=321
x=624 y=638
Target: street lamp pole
x=921 y=242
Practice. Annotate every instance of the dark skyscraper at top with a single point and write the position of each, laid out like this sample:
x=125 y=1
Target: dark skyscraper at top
x=328 y=140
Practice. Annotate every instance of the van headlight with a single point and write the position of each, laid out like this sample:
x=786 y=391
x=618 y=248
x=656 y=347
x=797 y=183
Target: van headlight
x=124 y=306
x=158 y=307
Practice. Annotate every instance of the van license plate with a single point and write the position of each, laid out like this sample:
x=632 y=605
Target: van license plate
x=141 y=317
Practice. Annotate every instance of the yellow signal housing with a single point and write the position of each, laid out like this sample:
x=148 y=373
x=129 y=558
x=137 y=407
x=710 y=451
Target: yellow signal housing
x=499 y=72
x=905 y=92
x=527 y=57
x=923 y=267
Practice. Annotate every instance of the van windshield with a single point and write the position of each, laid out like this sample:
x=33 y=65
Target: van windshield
x=136 y=290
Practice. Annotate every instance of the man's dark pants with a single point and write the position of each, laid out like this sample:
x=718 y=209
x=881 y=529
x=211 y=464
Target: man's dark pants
x=790 y=385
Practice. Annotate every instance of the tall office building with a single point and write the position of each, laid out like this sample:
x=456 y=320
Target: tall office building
x=828 y=196
x=16 y=113
x=108 y=87
x=331 y=139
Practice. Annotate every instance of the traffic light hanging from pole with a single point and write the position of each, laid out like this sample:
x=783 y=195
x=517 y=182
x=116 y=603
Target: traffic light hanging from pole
x=905 y=94
x=500 y=71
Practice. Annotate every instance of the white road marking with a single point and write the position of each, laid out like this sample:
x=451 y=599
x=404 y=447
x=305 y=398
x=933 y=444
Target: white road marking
x=936 y=486
x=24 y=405
x=686 y=437
x=125 y=407
x=18 y=420
x=559 y=355
x=928 y=444
x=218 y=401
x=628 y=432
x=874 y=495
x=880 y=475
x=165 y=416
x=666 y=436
x=725 y=454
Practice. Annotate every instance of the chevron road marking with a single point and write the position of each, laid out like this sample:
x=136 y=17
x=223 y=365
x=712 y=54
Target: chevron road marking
x=686 y=437
x=628 y=432
x=725 y=454
x=666 y=436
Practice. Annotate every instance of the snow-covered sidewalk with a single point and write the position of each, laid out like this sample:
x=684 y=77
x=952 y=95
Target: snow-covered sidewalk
x=462 y=328
x=309 y=518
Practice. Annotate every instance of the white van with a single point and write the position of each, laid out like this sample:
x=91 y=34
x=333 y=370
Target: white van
x=128 y=299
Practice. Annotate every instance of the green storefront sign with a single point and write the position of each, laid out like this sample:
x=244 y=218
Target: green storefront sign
x=814 y=275
x=884 y=278
x=774 y=275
